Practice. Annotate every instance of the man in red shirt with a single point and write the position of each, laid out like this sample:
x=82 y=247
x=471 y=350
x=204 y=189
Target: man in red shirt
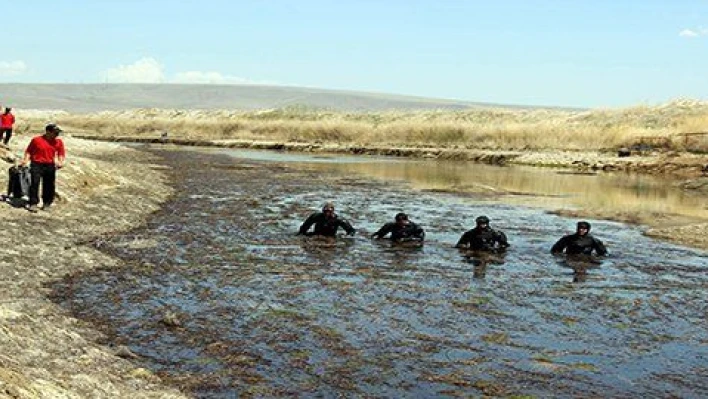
x=47 y=155
x=7 y=120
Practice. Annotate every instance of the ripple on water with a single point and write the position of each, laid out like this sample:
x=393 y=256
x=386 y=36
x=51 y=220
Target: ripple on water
x=221 y=297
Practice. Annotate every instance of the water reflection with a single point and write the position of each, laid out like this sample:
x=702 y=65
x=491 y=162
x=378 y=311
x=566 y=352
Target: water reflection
x=616 y=192
x=326 y=250
x=621 y=192
x=581 y=265
x=481 y=259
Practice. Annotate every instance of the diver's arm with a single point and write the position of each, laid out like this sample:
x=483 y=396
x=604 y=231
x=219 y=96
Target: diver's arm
x=501 y=240
x=599 y=247
x=308 y=223
x=419 y=232
x=385 y=229
x=422 y=235
x=559 y=246
x=347 y=227
x=465 y=240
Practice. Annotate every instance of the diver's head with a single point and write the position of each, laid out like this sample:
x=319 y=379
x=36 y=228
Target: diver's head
x=328 y=209
x=583 y=228
x=401 y=218
x=482 y=221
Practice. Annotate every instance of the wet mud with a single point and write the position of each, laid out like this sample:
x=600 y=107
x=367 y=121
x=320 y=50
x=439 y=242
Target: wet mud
x=221 y=298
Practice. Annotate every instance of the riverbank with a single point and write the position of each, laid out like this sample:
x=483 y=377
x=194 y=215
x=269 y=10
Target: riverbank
x=691 y=167
x=44 y=352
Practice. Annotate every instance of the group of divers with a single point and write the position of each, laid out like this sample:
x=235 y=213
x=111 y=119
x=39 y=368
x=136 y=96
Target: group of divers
x=481 y=239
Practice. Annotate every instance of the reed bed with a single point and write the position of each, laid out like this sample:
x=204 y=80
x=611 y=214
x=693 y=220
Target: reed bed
x=479 y=128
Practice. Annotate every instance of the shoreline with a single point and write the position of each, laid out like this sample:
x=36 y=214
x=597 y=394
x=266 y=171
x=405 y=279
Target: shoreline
x=45 y=352
x=685 y=165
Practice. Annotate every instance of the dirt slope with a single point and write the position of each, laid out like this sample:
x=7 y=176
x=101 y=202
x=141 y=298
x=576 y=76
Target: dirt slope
x=44 y=353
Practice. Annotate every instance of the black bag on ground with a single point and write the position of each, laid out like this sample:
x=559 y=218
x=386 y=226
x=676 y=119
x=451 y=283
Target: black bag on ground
x=19 y=182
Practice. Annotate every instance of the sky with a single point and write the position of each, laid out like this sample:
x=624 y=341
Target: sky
x=595 y=54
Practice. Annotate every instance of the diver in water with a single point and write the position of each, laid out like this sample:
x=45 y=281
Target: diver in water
x=580 y=243
x=402 y=230
x=326 y=223
x=483 y=238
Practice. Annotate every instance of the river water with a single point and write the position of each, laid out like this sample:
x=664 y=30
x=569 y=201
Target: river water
x=219 y=296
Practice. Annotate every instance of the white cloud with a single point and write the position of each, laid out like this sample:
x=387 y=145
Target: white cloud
x=688 y=33
x=149 y=70
x=694 y=32
x=12 y=68
x=145 y=70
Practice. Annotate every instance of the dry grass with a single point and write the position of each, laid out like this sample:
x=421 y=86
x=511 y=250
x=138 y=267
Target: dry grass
x=491 y=129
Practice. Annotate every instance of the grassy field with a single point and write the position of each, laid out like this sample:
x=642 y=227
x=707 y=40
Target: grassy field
x=660 y=127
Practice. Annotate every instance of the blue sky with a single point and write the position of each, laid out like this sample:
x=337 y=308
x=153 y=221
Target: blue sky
x=599 y=53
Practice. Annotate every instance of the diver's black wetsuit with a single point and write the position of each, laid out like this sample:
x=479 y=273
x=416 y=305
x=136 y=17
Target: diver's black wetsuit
x=483 y=239
x=325 y=226
x=575 y=244
x=406 y=232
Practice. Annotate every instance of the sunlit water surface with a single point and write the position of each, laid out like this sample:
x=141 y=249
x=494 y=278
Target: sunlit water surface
x=264 y=312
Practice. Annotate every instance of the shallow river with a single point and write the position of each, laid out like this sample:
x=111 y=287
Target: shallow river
x=221 y=298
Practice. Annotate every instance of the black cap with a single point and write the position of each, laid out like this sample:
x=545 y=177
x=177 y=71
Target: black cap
x=401 y=216
x=482 y=220
x=52 y=127
x=584 y=224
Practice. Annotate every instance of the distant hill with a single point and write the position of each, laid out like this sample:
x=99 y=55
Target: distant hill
x=83 y=98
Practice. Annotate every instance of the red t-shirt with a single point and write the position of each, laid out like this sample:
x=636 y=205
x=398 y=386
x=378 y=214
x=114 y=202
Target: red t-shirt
x=43 y=150
x=7 y=120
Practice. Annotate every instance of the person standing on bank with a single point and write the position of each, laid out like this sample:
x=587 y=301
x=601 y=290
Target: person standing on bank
x=7 y=121
x=46 y=154
x=580 y=243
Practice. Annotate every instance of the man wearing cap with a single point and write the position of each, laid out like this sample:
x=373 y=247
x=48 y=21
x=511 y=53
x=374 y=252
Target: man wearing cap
x=483 y=238
x=580 y=243
x=326 y=223
x=401 y=230
x=46 y=152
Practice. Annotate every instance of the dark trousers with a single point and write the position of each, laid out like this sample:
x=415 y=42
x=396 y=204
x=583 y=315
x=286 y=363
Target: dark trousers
x=46 y=173
x=7 y=133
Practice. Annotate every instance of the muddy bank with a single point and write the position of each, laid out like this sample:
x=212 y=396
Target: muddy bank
x=689 y=166
x=44 y=351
